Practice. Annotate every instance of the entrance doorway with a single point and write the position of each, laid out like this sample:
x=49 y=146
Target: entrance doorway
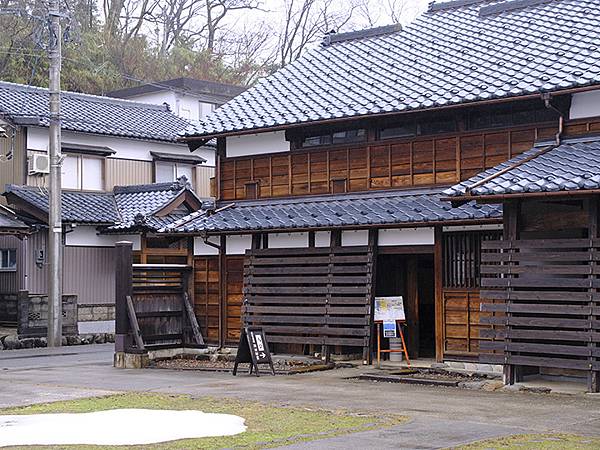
x=412 y=277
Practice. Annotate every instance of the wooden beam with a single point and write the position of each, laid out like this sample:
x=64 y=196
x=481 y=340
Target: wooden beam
x=222 y=291
x=123 y=289
x=135 y=327
x=438 y=265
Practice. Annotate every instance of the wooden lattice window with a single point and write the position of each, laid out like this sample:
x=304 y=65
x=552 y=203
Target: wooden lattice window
x=462 y=257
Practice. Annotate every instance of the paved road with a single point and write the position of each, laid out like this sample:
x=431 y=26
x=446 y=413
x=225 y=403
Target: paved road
x=440 y=417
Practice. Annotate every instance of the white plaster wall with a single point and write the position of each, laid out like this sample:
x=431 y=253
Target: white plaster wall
x=137 y=149
x=406 y=236
x=288 y=240
x=585 y=104
x=238 y=244
x=355 y=237
x=87 y=236
x=256 y=144
x=200 y=248
x=322 y=238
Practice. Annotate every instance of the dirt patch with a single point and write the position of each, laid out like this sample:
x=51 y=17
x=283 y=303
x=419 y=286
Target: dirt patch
x=283 y=366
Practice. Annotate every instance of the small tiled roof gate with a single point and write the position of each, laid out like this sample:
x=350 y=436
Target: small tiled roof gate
x=318 y=296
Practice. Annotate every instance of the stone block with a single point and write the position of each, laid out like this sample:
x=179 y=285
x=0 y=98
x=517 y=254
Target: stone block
x=124 y=360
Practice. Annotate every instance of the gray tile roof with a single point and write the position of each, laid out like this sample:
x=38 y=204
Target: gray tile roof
x=447 y=56
x=77 y=207
x=571 y=166
x=334 y=211
x=9 y=223
x=127 y=208
x=91 y=113
x=138 y=204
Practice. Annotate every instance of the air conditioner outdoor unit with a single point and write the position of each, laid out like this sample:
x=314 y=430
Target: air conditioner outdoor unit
x=39 y=163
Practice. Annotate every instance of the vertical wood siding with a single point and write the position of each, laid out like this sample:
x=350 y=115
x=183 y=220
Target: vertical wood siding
x=203 y=176
x=385 y=164
x=37 y=276
x=125 y=172
x=89 y=272
x=13 y=170
x=11 y=282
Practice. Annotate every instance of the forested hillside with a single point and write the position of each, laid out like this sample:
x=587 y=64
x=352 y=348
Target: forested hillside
x=110 y=44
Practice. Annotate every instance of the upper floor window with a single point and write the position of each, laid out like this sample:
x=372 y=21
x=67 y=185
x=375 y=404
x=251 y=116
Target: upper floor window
x=410 y=128
x=8 y=260
x=167 y=171
x=335 y=137
x=509 y=115
x=83 y=172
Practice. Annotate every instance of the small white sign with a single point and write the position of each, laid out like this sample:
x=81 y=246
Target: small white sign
x=389 y=309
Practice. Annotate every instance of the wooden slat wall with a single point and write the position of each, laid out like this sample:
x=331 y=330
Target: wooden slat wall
x=234 y=296
x=310 y=296
x=14 y=170
x=385 y=164
x=125 y=172
x=545 y=293
x=206 y=298
x=157 y=300
x=461 y=302
x=462 y=322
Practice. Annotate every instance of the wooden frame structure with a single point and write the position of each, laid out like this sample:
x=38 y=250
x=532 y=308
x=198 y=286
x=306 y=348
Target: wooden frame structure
x=542 y=293
x=153 y=308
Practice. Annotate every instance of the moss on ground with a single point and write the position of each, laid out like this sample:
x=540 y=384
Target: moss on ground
x=268 y=425
x=537 y=442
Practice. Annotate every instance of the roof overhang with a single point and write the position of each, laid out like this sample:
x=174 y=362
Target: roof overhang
x=199 y=140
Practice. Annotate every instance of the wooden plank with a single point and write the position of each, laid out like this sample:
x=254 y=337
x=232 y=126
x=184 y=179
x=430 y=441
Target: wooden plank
x=540 y=308
x=539 y=256
x=191 y=316
x=292 y=299
x=292 y=310
x=536 y=322
x=560 y=269
x=539 y=348
x=539 y=295
x=560 y=363
x=549 y=282
x=258 y=318
x=135 y=328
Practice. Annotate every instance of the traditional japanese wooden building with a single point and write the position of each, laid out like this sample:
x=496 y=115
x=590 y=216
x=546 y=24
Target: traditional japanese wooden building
x=331 y=172
x=540 y=286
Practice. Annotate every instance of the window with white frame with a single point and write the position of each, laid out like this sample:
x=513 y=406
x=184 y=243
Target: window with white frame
x=8 y=259
x=167 y=171
x=83 y=172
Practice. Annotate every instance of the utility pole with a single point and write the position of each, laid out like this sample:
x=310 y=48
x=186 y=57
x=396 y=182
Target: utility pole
x=54 y=197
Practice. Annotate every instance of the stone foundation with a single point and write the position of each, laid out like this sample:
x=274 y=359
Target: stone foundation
x=33 y=315
x=96 y=312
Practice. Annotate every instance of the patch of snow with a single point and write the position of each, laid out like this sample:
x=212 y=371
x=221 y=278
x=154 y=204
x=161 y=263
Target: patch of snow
x=115 y=427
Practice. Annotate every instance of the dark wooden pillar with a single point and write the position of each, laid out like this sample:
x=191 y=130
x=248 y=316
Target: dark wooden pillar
x=374 y=249
x=222 y=291
x=123 y=288
x=593 y=375
x=438 y=267
x=511 y=211
x=411 y=305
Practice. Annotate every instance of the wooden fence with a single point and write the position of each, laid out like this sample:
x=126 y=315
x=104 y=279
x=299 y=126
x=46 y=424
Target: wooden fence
x=544 y=296
x=153 y=308
x=316 y=296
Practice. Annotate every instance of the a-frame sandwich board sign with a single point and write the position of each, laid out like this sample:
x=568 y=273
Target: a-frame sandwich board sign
x=253 y=349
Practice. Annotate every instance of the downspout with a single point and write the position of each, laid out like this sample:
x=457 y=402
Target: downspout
x=561 y=116
x=558 y=138
x=222 y=301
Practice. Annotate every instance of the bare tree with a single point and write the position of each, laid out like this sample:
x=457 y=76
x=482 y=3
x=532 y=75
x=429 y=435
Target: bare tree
x=383 y=12
x=306 y=21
